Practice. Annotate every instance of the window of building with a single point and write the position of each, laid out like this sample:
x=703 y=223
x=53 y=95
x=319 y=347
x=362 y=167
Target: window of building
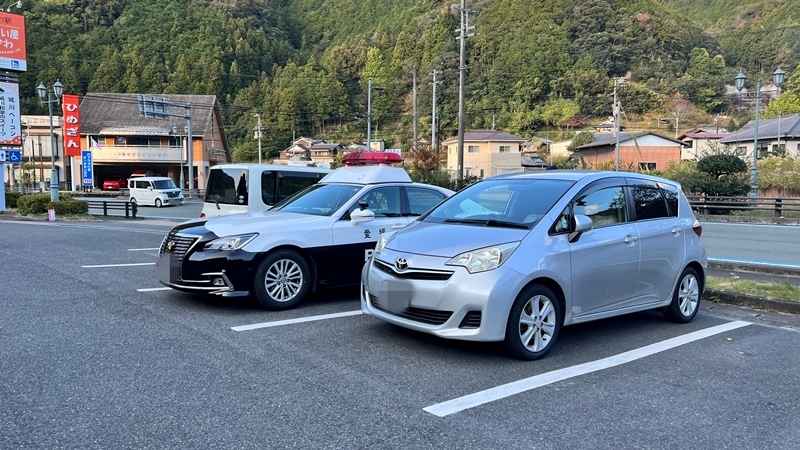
x=505 y=149
x=647 y=166
x=481 y=173
x=473 y=149
x=778 y=150
x=740 y=151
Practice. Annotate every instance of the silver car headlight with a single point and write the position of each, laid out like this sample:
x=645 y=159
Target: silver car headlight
x=484 y=259
x=230 y=242
x=383 y=239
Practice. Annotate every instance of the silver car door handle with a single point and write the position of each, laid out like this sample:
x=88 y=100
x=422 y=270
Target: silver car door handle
x=630 y=238
x=676 y=231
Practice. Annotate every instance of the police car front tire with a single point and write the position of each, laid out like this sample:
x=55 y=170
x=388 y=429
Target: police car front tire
x=282 y=280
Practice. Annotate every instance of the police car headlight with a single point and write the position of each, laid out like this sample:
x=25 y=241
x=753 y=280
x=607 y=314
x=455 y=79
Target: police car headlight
x=484 y=259
x=383 y=240
x=230 y=242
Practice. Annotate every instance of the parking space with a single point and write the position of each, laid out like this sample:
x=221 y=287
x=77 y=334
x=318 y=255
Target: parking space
x=94 y=350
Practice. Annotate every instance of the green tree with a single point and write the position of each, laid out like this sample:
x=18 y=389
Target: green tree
x=582 y=138
x=721 y=175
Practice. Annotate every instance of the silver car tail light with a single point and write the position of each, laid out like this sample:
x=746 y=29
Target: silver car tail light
x=697 y=228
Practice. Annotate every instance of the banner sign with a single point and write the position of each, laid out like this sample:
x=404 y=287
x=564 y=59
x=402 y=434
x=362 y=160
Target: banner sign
x=12 y=42
x=9 y=114
x=72 y=125
x=86 y=167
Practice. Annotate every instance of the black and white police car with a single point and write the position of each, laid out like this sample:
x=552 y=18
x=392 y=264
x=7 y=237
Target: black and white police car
x=320 y=237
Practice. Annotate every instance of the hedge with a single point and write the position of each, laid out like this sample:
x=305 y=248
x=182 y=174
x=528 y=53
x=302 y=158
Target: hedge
x=12 y=198
x=40 y=203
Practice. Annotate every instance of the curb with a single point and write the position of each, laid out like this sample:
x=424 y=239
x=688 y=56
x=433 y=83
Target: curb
x=775 y=269
x=753 y=301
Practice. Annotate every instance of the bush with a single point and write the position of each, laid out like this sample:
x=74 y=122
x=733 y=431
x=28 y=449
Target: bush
x=33 y=204
x=12 y=198
x=68 y=205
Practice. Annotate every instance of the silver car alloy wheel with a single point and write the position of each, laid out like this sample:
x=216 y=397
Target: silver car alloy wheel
x=283 y=280
x=537 y=323
x=688 y=295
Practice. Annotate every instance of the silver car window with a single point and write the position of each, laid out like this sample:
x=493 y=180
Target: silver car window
x=605 y=206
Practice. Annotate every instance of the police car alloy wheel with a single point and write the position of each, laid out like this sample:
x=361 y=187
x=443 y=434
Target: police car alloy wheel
x=282 y=280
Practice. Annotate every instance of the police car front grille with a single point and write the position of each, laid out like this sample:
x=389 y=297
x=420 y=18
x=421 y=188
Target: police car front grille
x=413 y=273
x=428 y=316
x=180 y=244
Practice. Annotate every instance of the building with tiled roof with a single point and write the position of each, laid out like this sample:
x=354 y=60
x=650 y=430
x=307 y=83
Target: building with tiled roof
x=777 y=136
x=486 y=153
x=129 y=142
x=639 y=151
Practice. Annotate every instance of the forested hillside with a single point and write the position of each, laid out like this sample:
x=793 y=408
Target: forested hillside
x=304 y=64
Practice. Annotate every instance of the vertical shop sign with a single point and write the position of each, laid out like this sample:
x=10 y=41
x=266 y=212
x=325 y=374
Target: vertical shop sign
x=72 y=125
x=9 y=114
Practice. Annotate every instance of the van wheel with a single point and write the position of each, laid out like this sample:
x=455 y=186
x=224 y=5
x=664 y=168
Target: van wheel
x=533 y=323
x=282 y=280
x=685 y=299
x=158 y=203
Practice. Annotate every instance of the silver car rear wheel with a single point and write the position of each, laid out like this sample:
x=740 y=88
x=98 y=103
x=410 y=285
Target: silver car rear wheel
x=686 y=298
x=282 y=280
x=534 y=323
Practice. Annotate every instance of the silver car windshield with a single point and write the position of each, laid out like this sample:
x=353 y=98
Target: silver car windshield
x=319 y=199
x=503 y=202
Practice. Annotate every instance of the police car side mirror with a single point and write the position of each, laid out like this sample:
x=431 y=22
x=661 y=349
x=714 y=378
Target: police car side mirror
x=360 y=216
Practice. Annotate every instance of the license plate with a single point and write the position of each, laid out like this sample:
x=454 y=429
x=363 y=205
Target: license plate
x=397 y=295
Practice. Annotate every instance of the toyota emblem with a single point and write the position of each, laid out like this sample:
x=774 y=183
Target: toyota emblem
x=401 y=264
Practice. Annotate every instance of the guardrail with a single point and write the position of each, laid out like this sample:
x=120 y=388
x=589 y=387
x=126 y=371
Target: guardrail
x=130 y=208
x=715 y=205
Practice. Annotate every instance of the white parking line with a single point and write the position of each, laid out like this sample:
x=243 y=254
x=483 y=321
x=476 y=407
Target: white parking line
x=119 y=265
x=142 y=249
x=479 y=398
x=278 y=323
x=154 y=289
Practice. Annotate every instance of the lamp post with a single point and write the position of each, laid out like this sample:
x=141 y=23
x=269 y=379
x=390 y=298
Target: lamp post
x=777 y=78
x=43 y=92
x=258 y=134
x=181 y=143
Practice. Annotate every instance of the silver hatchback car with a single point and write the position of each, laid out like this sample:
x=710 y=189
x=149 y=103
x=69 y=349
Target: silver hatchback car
x=515 y=257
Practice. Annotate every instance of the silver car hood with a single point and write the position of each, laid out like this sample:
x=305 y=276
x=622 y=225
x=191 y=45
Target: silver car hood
x=260 y=222
x=448 y=240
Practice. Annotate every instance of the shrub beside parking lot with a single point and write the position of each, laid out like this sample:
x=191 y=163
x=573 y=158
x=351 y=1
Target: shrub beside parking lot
x=12 y=198
x=40 y=203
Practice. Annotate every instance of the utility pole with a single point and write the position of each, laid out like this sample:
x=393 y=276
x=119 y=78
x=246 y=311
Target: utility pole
x=258 y=134
x=433 y=109
x=620 y=81
x=463 y=34
x=415 y=107
x=369 y=115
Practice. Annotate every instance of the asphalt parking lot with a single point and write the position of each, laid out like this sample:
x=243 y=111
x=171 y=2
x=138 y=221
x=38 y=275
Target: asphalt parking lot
x=94 y=353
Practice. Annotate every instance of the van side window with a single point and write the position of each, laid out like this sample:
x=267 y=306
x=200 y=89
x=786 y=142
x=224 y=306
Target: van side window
x=227 y=186
x=269 y=180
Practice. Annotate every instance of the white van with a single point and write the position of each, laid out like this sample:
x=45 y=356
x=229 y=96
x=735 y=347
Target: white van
x=157 y=191
x=248 y=188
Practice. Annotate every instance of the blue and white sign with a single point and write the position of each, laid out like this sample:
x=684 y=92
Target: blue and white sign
x=2 y=156
x=86 y=169
x=14 y=156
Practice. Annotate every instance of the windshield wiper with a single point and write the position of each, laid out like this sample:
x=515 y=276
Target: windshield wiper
x=489 y=223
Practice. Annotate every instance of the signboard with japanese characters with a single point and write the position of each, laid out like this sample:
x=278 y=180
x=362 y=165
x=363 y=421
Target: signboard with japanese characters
x=72 y=125
x=12 y=42
x=9 y=114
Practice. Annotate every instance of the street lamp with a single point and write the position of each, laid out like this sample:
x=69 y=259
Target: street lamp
x=181 y=143
x=777 y=78
x=17 y=4
x=43 y=92
x=258 y=135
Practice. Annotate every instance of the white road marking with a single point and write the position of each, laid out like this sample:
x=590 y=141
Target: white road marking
x=154 y=289
x=489 y=395
x=278 y=323
x=120 y=265
x=142 y=249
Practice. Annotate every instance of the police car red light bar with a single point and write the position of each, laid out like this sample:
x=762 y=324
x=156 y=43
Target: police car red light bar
x=364 y=158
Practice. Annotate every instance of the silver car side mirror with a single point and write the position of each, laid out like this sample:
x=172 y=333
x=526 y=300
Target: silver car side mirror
x=582 y=225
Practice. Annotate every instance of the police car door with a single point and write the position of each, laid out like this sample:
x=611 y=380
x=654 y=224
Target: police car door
x=352 y=244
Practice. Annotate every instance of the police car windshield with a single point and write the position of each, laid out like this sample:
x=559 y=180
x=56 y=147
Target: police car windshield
x=319 y=199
